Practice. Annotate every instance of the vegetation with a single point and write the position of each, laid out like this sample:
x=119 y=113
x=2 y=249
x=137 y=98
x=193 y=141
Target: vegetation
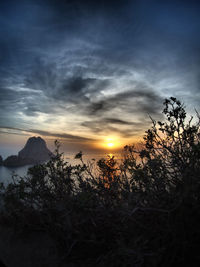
x=142 y=212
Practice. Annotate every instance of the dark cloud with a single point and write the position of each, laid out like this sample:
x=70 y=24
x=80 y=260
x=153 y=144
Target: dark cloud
x=69 y=137
x=13 y=101
x=120 y=122
x=63 y=83
x=132 y=101
x=87 y=93
x=12 y=133
x=109 y=126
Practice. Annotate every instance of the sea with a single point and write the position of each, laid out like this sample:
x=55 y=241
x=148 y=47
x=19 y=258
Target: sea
x=7 y=173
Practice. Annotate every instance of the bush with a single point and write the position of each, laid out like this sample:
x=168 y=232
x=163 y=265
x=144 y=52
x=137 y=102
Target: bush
x=142 y=212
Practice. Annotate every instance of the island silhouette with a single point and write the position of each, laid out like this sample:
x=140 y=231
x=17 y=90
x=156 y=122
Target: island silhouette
x=35 y=151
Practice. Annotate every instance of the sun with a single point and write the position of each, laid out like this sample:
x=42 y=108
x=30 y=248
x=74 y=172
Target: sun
x=110 y=144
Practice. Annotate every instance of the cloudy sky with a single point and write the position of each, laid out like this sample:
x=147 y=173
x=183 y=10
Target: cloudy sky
x=87 y=71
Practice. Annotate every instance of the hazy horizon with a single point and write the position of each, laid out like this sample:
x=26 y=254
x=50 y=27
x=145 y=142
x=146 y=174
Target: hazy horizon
x=9 y=149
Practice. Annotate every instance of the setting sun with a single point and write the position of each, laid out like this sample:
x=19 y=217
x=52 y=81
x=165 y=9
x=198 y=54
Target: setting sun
x=110 y=144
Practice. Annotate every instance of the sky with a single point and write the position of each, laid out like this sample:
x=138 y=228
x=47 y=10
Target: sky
x=92 y=72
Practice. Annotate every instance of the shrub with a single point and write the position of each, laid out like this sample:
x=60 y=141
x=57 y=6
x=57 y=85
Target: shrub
x=142 y=212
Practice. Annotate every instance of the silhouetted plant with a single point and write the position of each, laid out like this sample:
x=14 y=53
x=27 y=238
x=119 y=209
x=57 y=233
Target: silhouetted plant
x=143 y=211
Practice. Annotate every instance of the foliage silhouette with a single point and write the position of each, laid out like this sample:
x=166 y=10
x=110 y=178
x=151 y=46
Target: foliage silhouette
x=143 y=211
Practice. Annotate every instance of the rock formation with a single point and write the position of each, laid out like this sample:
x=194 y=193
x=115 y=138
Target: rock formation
x=16 y=161
x=35 y=151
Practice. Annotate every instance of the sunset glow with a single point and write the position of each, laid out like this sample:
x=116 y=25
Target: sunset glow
x=110 y=145
x=86 y=83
